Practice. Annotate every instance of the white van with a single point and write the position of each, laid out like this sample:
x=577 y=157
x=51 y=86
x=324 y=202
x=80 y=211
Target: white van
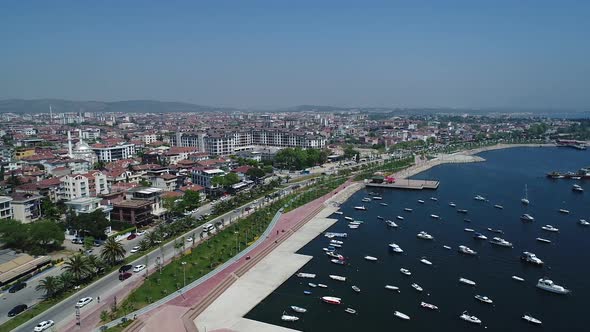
x=207 y=228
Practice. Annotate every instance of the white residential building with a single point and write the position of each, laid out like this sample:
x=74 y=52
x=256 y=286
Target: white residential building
x=5 y=207
x=114 y=152
x=83 y=185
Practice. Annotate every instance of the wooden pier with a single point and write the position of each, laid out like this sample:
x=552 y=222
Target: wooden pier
x=407 y=184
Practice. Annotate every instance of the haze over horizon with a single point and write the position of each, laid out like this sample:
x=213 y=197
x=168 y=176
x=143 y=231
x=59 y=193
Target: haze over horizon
x=268 y=54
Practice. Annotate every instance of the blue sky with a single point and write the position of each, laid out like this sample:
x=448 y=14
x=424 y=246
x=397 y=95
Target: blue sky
x=466 y=54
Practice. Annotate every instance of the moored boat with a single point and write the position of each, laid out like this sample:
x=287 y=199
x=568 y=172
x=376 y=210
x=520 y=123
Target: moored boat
x=289 y=318
x=433 y=199
x=498 y=206
x=462 y=211
x=479 y=198
x=500 y=242
x=550 y=286
x=550 y=228
x=312 y=285
x=383 y=204
x=366 y=199
x=447 y=247
x=322 y=286
x=361 y=208
x=408 y=210
x=452 y=204
x=479 y=236
x=434 y=216
x=336 y=277
x=499 y=231
x=395 y=248
x=348 y=218
x=338 y=261
x=540 y=239
x=390 y=223
x=350 y=311
x=527 y=217
x=531 y=319
x=339 y=212
x=466 y=250
x=391 y=287
x=380 y=217
x=564 y=211
x=428 y=306
x=484 y=299
x=467 y=281
x=405 y=271
x=529 y=257
x=425 y=236
x=583 y=222
x=469 y=230
x=471 y=319
x=356 y=289
x=401 y=315
x=517 y=278
x=420 y=201
x=577 y=188
x=400 y=218
x=298 y=309
x=417 y=287
x=331 y=300
x=371 y=258
x=305 y=275
x=425 y=261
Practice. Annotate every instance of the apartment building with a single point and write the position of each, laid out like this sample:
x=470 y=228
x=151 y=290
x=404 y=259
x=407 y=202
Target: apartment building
x=26 y=208
x=5 y=207
x=108 y=153
x=194 y=140
x=203 y=177
x=89 y=205
x=83 y=185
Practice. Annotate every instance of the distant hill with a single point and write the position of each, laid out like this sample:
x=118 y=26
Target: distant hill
x=128 y=106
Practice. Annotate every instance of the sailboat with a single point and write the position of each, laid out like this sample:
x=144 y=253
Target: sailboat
x=525 y=199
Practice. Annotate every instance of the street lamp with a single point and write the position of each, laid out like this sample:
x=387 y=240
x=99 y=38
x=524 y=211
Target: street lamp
x=237 y=242
x=184 y=273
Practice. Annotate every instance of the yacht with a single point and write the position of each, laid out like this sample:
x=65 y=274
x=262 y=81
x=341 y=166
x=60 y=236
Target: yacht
x=390 y=287
x=517 y=278
x=469 y=230
x=433 y=199
x=348 y=218
x=434 y=216
x=577 y=188
x=339 y=212
x=564 y=211
x=428 y=306
x=335 y=255
x=583 y=222
x=401 y=315
x=484 y=299
x=452 y=204
x=378 y=198
x=361 y=208
x=467 y=281
x=335 y=245
x=550 y=286
x=322 y=286
x=335 y=277
x=471 y=319
x=500 y=242
x=383 y=204
x=425 y=261
x=338 y=261
x=540 y=239
x=525 y=199
x=366 y=199
x=305 y=275
x=353 y=226
x=420 y=201
x=380 y=217
x=417 y=287
x=350 y=311
x=371 y=258
x=405 y=271
x=425 y=236
x=312 y=285
x=329 y=249
x=498 y=206
x=390 y=223
x=479 y=198
x=499 y=231
x=447 y=247
x=550 y=228
x=336 y=242
x=529 y=257
x=479 y=236
x=408 y=210
x=289 y=318
x=527 y=217
x=332 y=299
x=400 y=218
x=298 y=309
x=395 y=248
x=466 y=250
x=356 y=289
x=462 y=211
x=467 y=220
x=531 y=319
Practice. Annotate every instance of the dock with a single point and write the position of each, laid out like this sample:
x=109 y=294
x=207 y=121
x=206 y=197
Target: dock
x=407 y=184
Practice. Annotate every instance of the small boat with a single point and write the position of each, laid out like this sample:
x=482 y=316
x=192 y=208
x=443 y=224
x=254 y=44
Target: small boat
x=350 y=311
x=564 y=211
x=336 y=277
x=361 y=208
x=336 y=245
x=408 y=210
x=355 y=223
x=383 y=204
x=336 y=242
x=500 y=242
x=420 y=201
x=577 y=188
x=471 y=319
x=390 y=287
x=366 y=199
x=466 y=250
x=497 y=206
x=428 y=306
x=289 y=318
x=335 y=255
x=447 y=247
x=331 y=300
x=583 y=222
x=377 y=198
x=332 y=235
x=529 y=257
x=371 y=258
x=462 y=211
x=348 y=218
x=467 y=220
x=298 y=309
x=433 y=199
x=550 y=286
x=479 y=198
x=499 y=231
x=531 y=319
x=525 y=199
x=517 y=278
x=400 y=218
x=479 y=236
x=312 y=285
x=425 y=236
x=469 y=230
x=425 y=261
x=353 y=226
x=452 y=204
x=338 y=261
x=401 y=315
x=356 y=289
x=390 y=223
x=339 y=212
x=379 y=217
x=550 y=228
x=307 y=292
x=329 y=249
x=322 y=286
x=417 y=287
x=405 y=271
x=434 y=216
x=484 y=299
x=395 y=248
x=305 y=275
x=527 y=217
x=467 y=281
x=540 y=239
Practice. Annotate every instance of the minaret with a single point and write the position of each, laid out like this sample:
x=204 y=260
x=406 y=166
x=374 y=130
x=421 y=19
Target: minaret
x=50 y=115
x=70 y=144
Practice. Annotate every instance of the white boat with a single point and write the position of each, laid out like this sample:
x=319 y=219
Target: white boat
x=420 y=201
x=484 y=299
x=322 y=286
x=339 y=212
x=353 y=226
x=550 y=228
x=390 y=223
x=400 y=218
x=298 y=309
x=401 y=315
x=500 y=242
x=289 y=318
x=583 y=222
x=564 y=211
x=361 y=208
x=479 y=236
x=462 y=211
x=348 y=218
x=452 y=204
x=428 y=306
x=356 y=289
x=332 y=235
x=336 y=277
x=405 y=271
x=417 y=287
x=408 y=210
x=577 y=188
x=306 y=275
x=350 y=311
x=336 y=245
x=550 y=286
x=517 y=278
x=380 y=217
x=312 y=285
x=499 y=231
x=467 y=281
x=479 y=198
x=378 y=198
x=525 y=199
x=433 y=199
x=383 y=204
x=371 y=258
x=529 y=257
x=527 y=217
x=366 y=199
x=469 y=230
x=434 y=216
x=425 y=261
x=336 y=242
x=332 y=299
x=390 y=287
x=395 y=248
x=466 y=250
x=355 y=223
x=425 y=236
x=540 y=239
x=335 y=255
x=498 y=206
x=531 y=319
x=471 y=319
x=447 y=247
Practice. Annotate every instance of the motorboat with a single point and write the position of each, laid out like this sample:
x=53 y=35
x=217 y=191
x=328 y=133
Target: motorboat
x=499 y=231
x=550 y=228
x=353 y=226
x=329 y=249
x=335 y=245
x=339 y=212
x=335 y=255
x=366 y=199
x=380 y=217
x=336 y=242
x=434 y=216
x=390 y=223
x=425 y=236
x=469 y=230
x=420 y=201
x=529 y=257
x=400 y=218
x=395 y=248
x=540 y=239
x=550 y=286
x=401 y=315
x=471 y=319
x=361 y=208
x=355 y=223
x=405 y=271
x=289 y=318
x=383 y=204
x=531 y=319
x=433 y=199
x=417 y=287
x=338 y=261
x=479 y=198
x=298 y=309
x=452 y=204
x=307 y=292
x=390 y=287
x=428 y=306
x=517 y=278
x=479 y=236
x=577 y=188
x=425 y=261
x=371 y=258
x=332 y=299
x=564 y=211
x=467 y=281
x=583 y=222
x=408 y=210
x=500 y=242
x=525 y=199
x=322 y=286
x=378 y=198
x=498 y=206
x=356 y=289
x=466 y=250
x=484 y=299
x=312 y=285
x=305 y=275
x=349 y=218
x=467 y=220
x=462 y=211
x=336 y=277
x=527 y=217
x=447 y=247
x=350 y=311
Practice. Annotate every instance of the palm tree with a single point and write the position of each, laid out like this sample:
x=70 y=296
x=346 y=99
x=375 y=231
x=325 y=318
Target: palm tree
x=153 y=237
x=78 y=266
x=96 y=264
x=112 y=251
x=66 y=280
x=144 y=244
x=50 y=285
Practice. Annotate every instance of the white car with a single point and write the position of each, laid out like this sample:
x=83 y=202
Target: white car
x=139 y=268
x=140 y=233
x=134 y=249
x=44 y=325
x=83 y=301
x=189 y=239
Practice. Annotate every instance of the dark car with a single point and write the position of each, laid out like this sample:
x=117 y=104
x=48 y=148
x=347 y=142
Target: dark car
x=17 y=287
x=17 y=310
x=125 y=268
x=131 y=236
x=123 y=276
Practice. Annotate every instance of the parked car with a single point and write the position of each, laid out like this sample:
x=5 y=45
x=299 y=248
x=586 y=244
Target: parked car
x=131 y=236
x=139 y=268
x=15 y=288
x=125 y=275
x=44 y=325
x=125 y=268
x=98 y=243
x=139 y=233
x=189 y=239
x=77 y=241
x=134 y=249
x=17 y=310
x=83 y=301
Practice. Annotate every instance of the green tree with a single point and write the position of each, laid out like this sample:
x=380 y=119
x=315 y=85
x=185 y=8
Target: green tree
x=66 y=281
x=44 y=236
x=256 y=173
x=268 y=169
x=50 y=285
x=88 y=242
x=2 y=173
x=78 y=266
x=50 y=210
x=14 y=234
x=191 y=200
x=112 y=251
